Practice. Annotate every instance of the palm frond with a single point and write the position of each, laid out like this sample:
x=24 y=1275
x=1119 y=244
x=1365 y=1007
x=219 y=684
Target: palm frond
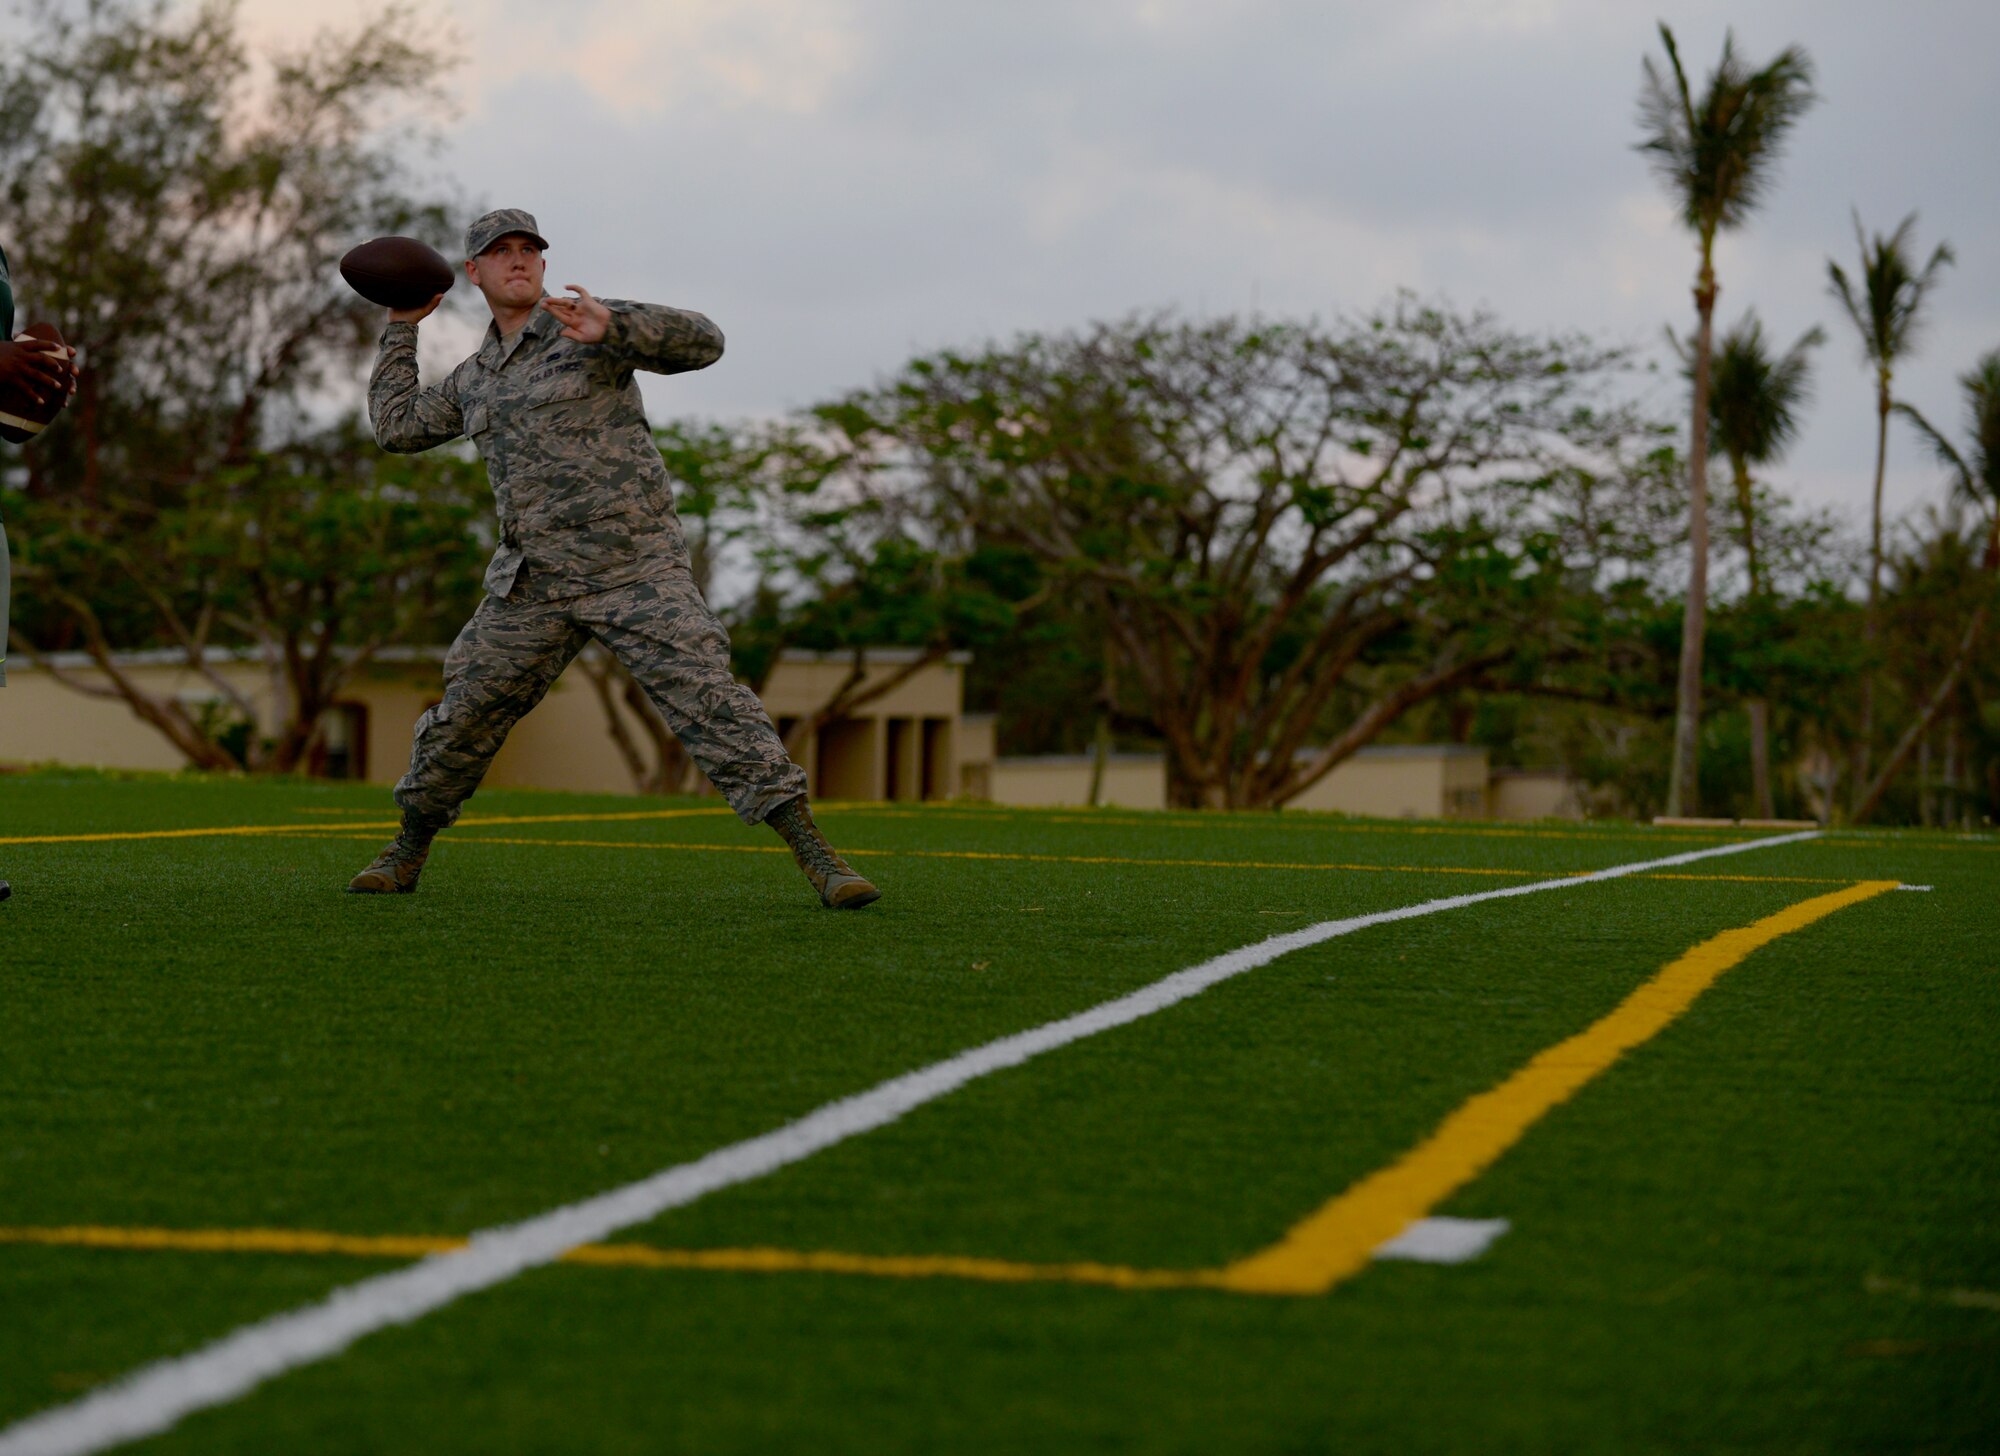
x=1753 y=120
x=1667 y=121
x=1844 y=294
x=1941 y=448
x=1981 y=384
x=1716 y=152
x=1887 y=306
x=1791 y=390
x=1976 y=470
x=1755 y=400
x=1941 y=258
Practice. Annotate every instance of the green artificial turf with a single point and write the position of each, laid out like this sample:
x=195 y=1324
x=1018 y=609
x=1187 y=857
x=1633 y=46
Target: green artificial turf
x=1771 y=1228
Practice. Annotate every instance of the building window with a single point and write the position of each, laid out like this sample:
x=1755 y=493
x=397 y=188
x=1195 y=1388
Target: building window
x=343 y=743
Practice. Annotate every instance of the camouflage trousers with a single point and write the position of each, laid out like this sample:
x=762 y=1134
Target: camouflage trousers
x=512 y=651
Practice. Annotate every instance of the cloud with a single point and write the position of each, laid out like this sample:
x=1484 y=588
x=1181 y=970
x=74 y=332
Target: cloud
x=842 y=183
x=649 y=60
x=637 y=60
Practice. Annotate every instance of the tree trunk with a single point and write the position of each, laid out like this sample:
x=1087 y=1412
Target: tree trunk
x=1925 y=783
x=289 y=751
x=87 y=397
x=1953 y=767
x=1100 y=752
x=1759 y=709
x=1870 y=623
x=1746 y=507
x=1760 y=757
x=1188 y=789
x=1683 y=788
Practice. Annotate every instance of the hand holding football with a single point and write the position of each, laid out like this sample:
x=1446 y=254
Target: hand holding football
x=37 y=377
x=399 y=273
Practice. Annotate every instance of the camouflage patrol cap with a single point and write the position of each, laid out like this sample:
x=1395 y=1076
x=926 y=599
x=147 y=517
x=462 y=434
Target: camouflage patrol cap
x=496 y=225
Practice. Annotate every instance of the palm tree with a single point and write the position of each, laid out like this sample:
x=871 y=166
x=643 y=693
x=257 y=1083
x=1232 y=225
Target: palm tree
x=1753 y=412
x=1716 y=156
x=1975 y=483
x=1886 y=309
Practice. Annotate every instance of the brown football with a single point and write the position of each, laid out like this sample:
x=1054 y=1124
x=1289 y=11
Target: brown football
x=21 y=418
x=397 y=272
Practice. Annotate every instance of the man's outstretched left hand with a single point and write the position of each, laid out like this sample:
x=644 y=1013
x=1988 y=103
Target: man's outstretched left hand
x=583 y=318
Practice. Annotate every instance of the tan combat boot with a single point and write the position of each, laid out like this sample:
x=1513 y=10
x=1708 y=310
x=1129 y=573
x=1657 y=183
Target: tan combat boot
x=839 y=887
x=396 y=868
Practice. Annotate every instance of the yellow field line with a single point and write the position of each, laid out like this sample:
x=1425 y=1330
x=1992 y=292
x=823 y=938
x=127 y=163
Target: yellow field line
x=625 y=816
x=981 y=854
x=236 y=1241
x=1886 y=842
x=606 y=844
x=217 y=832
x=907 y=1266
x=1337 y=1241
x=1754 y=879
x=1245 y=819
x=239 y=830
x=626 y=1256
x=1201 y=864
x=1089 y=859
x=1333 y=824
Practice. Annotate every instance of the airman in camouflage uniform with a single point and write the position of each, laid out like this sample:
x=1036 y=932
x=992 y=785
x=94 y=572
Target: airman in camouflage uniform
x=589 y=547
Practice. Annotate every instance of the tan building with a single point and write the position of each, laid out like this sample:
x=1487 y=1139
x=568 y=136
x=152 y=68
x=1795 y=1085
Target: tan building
x=1534 y=793
x=914 y=742
x=1131 y=781
x=1420 y=781
x=902 y=745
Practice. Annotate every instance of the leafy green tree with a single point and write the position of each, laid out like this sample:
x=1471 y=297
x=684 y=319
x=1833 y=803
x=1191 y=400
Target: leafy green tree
x=1933 y=585
x=1291 y=536
x=177 y=209
x=1975 y=475
x=1604 y=712
x=1755 y=399
x=1794 y=651
x=1886 y=308
x=1602 y=709
x=314 y=556
x=1716 y=154
x=848 y=562
x=1754 y=403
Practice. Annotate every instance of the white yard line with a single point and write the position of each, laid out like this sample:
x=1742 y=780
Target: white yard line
x=155 y=1397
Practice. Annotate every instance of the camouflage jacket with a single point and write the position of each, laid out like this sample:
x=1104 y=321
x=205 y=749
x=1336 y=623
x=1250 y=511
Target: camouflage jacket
x=583 y=497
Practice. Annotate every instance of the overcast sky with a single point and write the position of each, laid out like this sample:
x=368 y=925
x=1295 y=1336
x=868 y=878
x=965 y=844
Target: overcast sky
x=843 y=183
